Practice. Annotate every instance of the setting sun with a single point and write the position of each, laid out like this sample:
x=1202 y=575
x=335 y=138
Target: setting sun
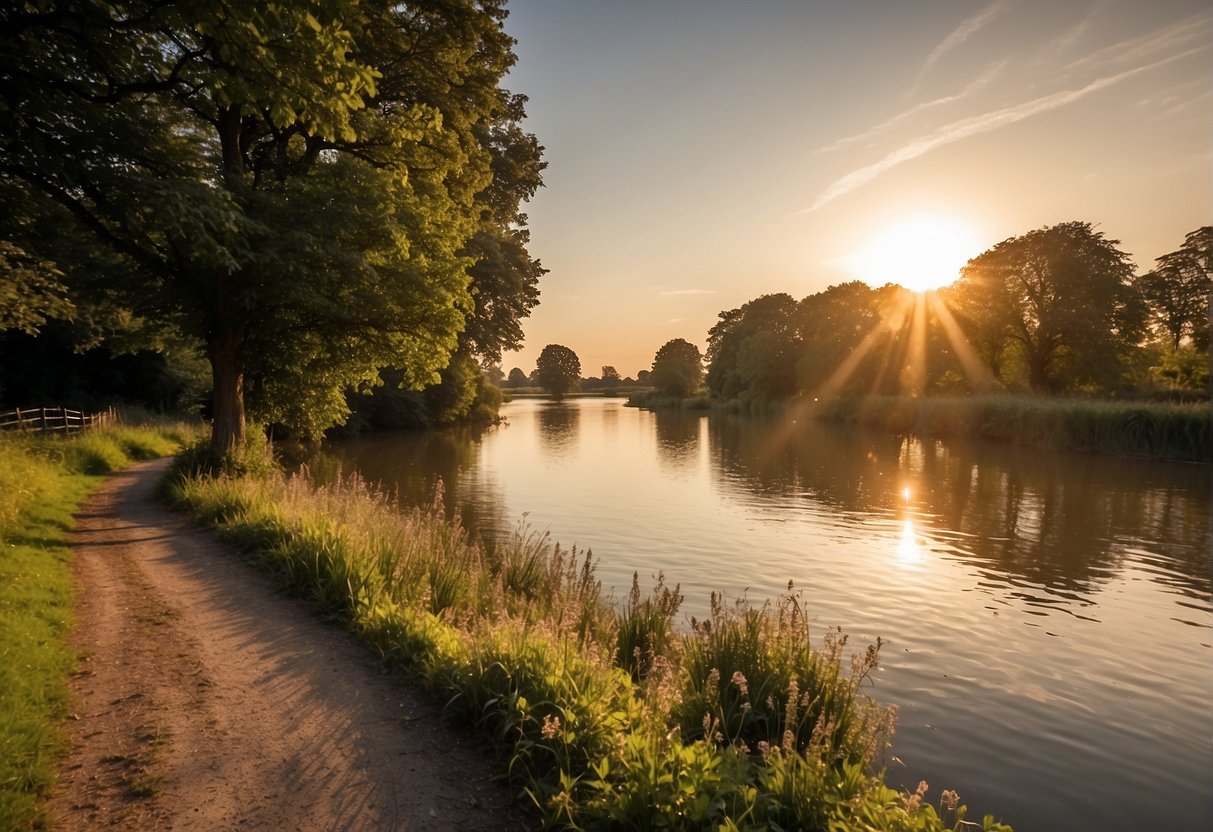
x=920 y=253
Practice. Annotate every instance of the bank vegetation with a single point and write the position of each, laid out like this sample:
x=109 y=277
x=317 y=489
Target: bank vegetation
x=606 y=715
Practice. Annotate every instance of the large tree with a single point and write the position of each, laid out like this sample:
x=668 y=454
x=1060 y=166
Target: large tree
x=558 y=370
x=293 y=184
x=1058 y=302
x=677 y=368
x=765 y=365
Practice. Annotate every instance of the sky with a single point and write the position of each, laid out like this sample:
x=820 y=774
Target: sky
x=701 y=154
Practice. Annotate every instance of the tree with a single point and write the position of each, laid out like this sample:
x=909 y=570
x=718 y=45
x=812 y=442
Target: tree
x=642 y=377
x=293 y=185
x=517 y=378
x=558 y=370
x=677 y=368
x=1177 y=291
x=610 y=377
x=1059 y=302
x=727 y=378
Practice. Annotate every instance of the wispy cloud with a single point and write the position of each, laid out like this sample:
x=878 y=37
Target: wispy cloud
x=976 y=125
x=962 y=33
x=1195 y=29
x=974 y=86
x=1072 y=35
x=671 y=292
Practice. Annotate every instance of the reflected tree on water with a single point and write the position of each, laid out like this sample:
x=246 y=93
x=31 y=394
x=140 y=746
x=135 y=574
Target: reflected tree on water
x=558 y=425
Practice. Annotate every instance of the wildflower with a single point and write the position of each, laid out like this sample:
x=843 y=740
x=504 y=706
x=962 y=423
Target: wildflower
x=740 y=681
x=551 y=727
x=949 y=800
x=912 y=802
x=764 y=748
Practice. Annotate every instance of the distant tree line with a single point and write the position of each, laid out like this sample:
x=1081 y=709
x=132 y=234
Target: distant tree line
x=1058 y=310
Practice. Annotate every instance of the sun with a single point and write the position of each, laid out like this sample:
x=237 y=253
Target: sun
x=918 y=252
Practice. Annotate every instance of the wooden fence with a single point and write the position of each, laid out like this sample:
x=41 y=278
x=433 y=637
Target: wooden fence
x=54 y=419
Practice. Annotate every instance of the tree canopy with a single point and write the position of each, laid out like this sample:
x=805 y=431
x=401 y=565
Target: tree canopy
x=1057 y=302
x=558 y=370
x=1177 y=290
x=311 y=190
x=677 y=368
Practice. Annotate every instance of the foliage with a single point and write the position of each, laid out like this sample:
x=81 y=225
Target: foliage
x=1177 y=292
x=31 y=290
x=593 y=710
x=517 y=378
x=677 y=368
x=731 y=359
x=299 y=188
x=1061 y=299
x=558 y=370
x=42 y=482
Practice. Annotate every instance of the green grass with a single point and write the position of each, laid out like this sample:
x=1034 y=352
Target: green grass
x=43 y=479
x=1148 y=429
x=604 y=718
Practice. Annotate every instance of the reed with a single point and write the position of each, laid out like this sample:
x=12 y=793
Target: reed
x=604 y=718
x=1164 y=430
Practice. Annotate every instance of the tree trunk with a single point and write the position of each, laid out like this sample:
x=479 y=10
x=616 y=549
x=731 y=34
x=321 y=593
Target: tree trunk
x=225 y=349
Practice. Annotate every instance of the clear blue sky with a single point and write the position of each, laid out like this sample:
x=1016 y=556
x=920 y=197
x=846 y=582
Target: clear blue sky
x=701 y=153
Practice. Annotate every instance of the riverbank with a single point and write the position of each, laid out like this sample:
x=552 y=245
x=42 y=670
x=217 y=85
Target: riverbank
x=1149 y=429
x=603 y=717
x=43 y=480
x=1158 y=430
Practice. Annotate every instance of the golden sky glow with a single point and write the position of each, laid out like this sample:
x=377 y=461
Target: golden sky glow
x=919 y=253
x=702 y=154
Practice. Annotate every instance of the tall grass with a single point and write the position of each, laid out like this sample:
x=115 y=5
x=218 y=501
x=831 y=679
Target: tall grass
x=1154 y=429
x=605 y=718
x=42 y=482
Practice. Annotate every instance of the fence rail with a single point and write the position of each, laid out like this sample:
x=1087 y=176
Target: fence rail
x=54 y=419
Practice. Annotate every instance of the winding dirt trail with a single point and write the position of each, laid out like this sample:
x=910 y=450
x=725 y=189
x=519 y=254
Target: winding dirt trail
x=208 y=701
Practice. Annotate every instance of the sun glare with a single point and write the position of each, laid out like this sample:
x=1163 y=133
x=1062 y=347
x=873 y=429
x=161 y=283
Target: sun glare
x=919 y=253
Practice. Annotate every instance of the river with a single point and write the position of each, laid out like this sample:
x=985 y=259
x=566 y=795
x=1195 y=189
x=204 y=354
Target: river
x=1047 y=617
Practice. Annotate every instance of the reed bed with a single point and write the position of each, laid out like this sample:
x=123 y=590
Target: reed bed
x=43 y=478
x=605 y=717
x=1161 y=430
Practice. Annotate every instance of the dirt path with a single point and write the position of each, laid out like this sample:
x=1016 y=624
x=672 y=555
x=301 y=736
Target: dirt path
x=208 y=701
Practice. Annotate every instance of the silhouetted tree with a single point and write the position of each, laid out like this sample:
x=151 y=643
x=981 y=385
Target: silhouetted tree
x=728 y=375
x=517 y=378
x=1177 y=291
x=558 y=370
x=677 y=368
x=610 y=377
x=1058 y=300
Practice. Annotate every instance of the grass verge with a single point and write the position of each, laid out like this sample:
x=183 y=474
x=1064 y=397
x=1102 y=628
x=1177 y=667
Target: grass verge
x=1151 y=429
x=43 y=479
x=605 y=718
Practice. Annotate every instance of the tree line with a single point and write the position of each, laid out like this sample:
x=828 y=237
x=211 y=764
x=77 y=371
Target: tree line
x=1058 y=310
x=318 y=199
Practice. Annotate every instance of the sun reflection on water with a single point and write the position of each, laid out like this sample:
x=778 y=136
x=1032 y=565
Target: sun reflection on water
x=909 y=552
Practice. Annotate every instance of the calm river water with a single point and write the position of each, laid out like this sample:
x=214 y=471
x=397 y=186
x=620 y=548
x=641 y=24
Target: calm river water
x=1047 y=617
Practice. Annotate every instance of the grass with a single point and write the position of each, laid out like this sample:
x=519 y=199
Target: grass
x=1161 y=430
x=604 y=717
x=43 y=479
